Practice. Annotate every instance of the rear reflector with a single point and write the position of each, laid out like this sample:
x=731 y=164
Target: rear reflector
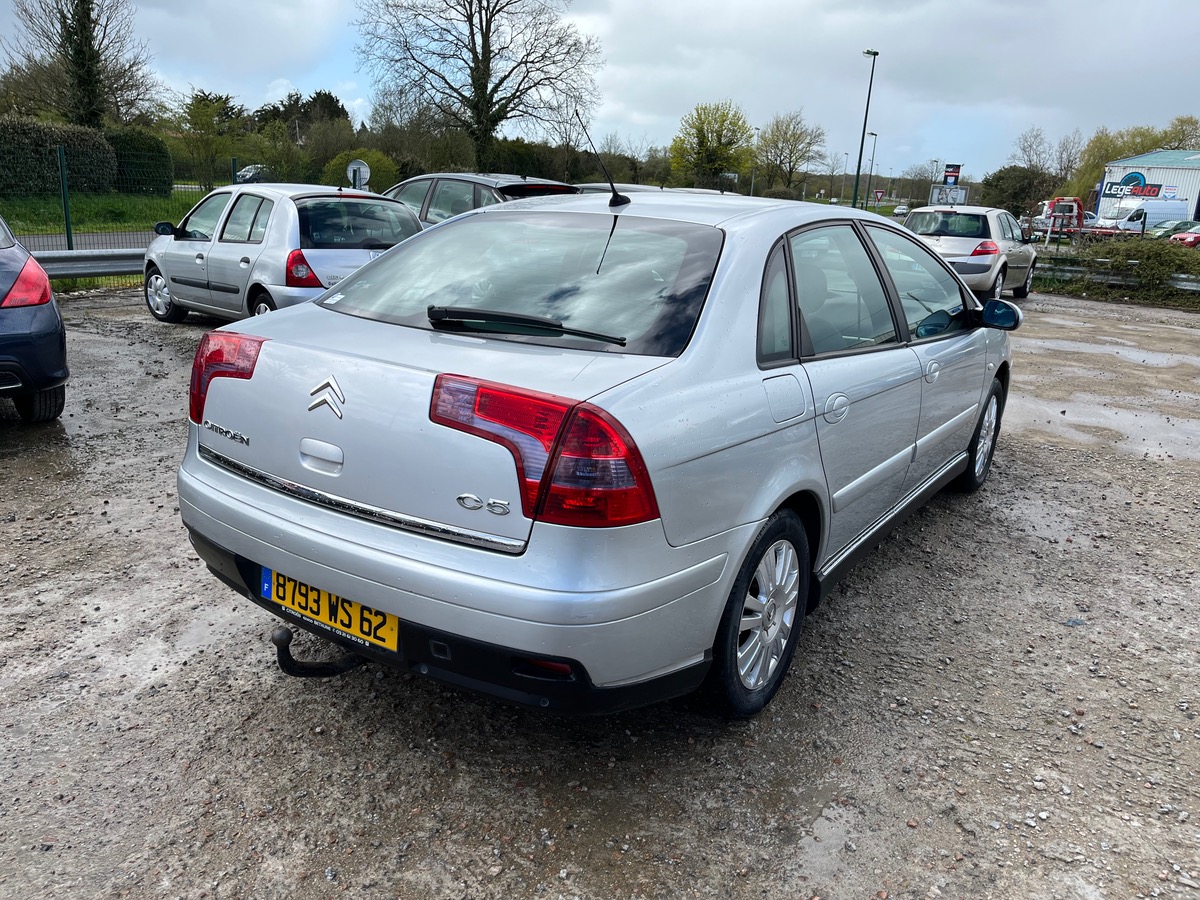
x=575 y=463
x=221 y=354
x=32 y=287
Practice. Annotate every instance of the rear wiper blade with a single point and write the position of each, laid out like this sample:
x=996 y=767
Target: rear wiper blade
x=465 y=315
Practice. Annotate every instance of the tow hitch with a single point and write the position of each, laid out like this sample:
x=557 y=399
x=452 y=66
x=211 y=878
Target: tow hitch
x=281 y=637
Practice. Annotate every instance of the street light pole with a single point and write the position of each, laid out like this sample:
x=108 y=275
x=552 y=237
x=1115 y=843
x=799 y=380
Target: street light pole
x=874 y=54
x=871 y=167
x=754 y=162
x=845 y=166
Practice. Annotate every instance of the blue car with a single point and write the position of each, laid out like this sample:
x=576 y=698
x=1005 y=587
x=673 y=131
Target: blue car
x=33 y=341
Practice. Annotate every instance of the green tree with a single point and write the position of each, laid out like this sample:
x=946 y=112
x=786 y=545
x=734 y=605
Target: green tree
x=713 y=139
x=60 y=48
x=786 y=147
x=209 y=124
x=1015 y=188
x=326 y=139
x=481 y=63
x=85 y=103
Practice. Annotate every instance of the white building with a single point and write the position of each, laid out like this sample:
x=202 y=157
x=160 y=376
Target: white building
x=1159 y=175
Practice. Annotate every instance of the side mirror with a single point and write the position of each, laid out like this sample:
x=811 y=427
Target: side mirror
x=166 y=229
x=1003 y=315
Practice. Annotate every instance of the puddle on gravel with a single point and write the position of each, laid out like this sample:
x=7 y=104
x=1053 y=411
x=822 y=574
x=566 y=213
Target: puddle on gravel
x=1131 y=388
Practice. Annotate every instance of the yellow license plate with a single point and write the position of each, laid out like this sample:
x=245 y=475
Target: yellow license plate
x=358 y=622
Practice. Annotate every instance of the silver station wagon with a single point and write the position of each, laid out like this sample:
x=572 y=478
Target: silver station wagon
x=591 y=452
x=248 y=249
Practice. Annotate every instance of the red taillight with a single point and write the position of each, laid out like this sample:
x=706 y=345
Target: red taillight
x=299 y=273
x=576 y=464
x=221 y=354
x=985 y=248
x=32 y=287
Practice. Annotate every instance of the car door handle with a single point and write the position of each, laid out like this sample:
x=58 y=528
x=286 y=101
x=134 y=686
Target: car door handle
x=932 y=370
x=245 y=261
x=199 y=257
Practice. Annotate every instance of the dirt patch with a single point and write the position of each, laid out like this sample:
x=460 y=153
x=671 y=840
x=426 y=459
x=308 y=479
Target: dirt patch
x=999 y=702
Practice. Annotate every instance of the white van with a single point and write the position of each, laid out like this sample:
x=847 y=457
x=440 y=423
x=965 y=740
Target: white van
x=1142 y=215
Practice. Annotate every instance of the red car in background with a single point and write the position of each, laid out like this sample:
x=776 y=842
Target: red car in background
x=1189 y=238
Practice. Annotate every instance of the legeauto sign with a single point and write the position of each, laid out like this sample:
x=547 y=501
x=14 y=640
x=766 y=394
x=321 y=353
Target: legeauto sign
x=1132 y=185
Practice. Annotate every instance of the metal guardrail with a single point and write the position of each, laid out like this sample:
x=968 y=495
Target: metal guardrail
x=1068 y=272
x=90 y=263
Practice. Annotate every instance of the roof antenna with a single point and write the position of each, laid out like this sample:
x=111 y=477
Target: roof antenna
x=616 y=199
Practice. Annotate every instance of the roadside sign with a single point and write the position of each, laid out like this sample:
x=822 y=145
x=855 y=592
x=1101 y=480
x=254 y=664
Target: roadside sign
x=879 y=195
x=358 y=173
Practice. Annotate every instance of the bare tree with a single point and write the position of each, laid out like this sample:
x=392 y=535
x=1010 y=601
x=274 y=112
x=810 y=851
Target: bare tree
x=1032 y=150
x=1067 y=153
x=127 y=86
x=786 y=146
x=482 y=63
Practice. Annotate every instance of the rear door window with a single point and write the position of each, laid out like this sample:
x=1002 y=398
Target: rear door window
x=241 y=219
x=843 y=305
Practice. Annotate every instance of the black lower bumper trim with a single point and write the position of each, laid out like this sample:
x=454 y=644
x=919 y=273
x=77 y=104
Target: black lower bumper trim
x=490 y=669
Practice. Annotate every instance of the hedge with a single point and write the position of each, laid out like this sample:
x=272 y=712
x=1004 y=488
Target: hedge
x=143 y=162
x=29 y=158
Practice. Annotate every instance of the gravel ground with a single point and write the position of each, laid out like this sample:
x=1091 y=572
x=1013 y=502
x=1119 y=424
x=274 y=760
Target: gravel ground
x=1000 y=701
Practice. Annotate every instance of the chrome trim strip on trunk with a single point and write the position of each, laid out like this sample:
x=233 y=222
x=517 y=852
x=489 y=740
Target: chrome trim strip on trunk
x=362 y=510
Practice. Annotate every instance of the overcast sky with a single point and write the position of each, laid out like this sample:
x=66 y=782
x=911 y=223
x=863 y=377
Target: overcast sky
x=955 y=80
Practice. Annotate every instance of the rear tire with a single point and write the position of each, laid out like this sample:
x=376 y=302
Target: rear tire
x=1020 y=293
x=261 y=304
x=158 y=298
x=983 y=442
x=762 y=620
x=998 y=288
x=42 y=406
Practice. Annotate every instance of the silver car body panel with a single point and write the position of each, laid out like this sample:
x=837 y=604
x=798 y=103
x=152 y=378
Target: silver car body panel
x=726 y=442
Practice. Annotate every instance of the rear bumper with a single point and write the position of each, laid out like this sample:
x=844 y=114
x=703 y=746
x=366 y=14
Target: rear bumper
x=635 y=616
x=33 y=349
x=480 y=666
x=290 y=296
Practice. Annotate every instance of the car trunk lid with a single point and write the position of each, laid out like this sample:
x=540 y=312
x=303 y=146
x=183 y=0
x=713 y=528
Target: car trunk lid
x=347 y=424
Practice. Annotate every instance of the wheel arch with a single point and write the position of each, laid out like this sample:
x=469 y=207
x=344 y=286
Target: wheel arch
x=807 y=507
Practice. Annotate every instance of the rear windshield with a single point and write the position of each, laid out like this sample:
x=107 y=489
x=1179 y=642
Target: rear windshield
x=349 y=223
x=521 y=191
x=948 y=223
x=641 y=279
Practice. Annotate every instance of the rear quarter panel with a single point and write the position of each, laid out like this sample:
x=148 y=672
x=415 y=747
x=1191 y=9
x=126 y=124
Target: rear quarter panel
x=717 y=457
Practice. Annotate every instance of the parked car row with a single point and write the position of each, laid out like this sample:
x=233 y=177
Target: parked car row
x=1188 y=238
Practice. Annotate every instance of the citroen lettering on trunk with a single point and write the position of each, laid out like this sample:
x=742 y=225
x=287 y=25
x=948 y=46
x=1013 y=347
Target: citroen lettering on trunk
x=235 y=436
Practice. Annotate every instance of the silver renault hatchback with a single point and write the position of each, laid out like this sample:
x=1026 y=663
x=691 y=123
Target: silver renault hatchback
x=985 y=245
x=248 y=249
x=585 y=456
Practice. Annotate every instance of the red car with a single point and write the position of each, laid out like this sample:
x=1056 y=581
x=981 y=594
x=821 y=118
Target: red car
x=1189 y=238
